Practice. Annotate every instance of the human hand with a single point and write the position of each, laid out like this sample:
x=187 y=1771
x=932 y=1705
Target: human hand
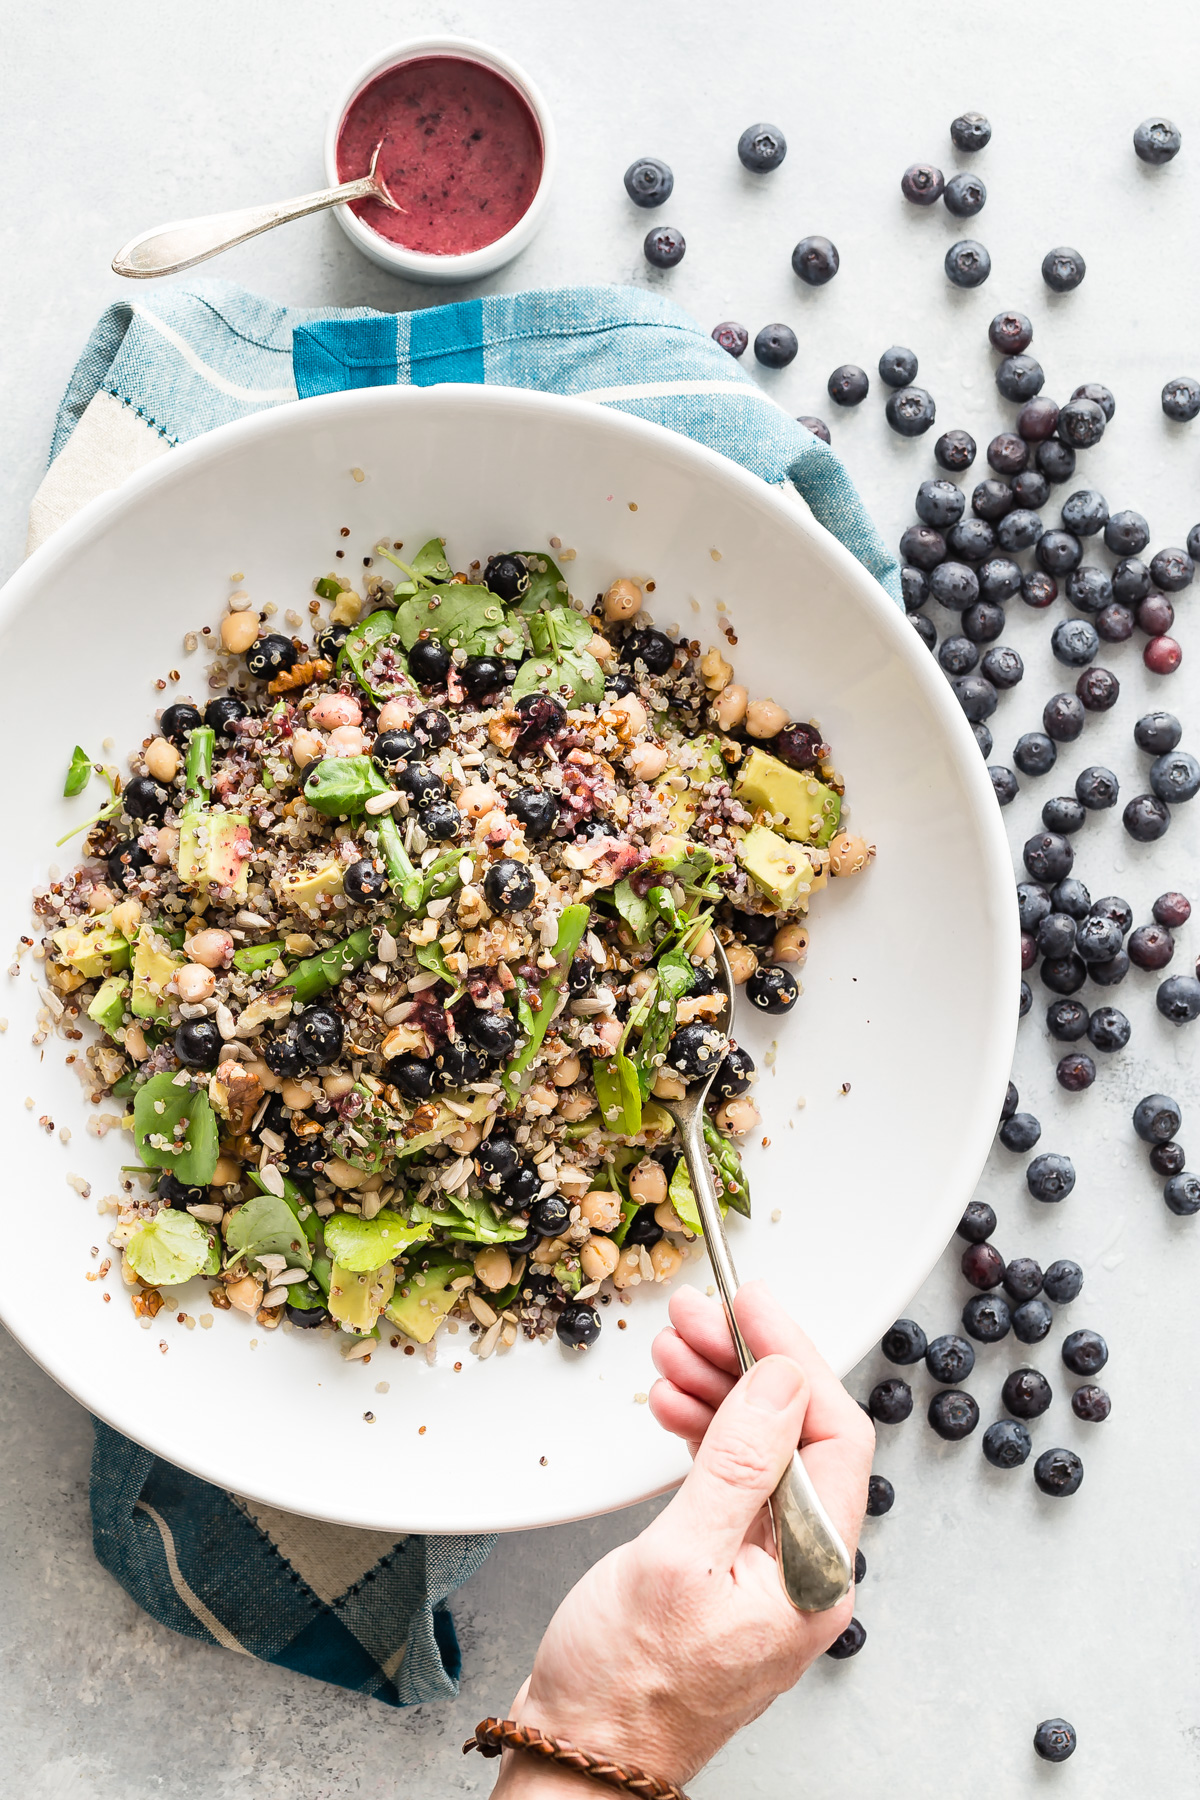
x=673 y=1642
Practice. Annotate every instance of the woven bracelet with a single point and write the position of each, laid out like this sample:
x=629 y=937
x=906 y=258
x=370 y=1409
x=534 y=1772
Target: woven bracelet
x=494 y=1735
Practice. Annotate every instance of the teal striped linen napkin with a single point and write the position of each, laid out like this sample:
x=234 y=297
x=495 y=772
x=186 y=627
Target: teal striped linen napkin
x=352 y=1607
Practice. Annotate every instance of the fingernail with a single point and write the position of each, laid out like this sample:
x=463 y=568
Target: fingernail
x=771 y=1386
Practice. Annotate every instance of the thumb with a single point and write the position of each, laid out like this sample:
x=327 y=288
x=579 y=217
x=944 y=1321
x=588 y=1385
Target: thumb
x=743 y=1454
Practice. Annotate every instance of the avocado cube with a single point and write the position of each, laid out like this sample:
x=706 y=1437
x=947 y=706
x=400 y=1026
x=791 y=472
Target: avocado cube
x=678 y=788
x=108 y=1008
x=356 y=1301
x=93 y=949
x=214 y=850
x=424 y=1298
x=154 y=965
x=801 y=807
x=780 y=869
x=305 y=887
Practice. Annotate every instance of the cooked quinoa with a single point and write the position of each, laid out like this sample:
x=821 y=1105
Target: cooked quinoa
x=398 y=941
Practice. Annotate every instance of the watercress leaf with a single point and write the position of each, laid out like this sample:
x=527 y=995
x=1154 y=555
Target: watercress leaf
x=174 y=1128
x=168 y=1249
x=461 y=615
x=363 y=1244
x=342 y=785
x=267 y=1226
x=634 y=910
x=79 y=773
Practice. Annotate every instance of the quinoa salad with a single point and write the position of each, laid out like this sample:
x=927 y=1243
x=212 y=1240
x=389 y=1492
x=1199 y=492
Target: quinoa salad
x=397 y=941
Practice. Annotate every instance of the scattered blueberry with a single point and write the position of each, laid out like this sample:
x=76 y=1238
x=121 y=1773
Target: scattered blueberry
x=1172 y=909
x=1020 y=1133
x=1048 y=856
x=953 y=1414
x=731 y=336
x=890 y=1402
x=1089 y=588
x=775 y=346
x=1073 y=641
x=1007 y=453
x=1010 y=333
x=1175 y=776
x=1058 y=552
x=1026 y=1394
x=818 y=427
x=1063 y=718
x=663 y=246
x=1058 y=1473
x=971 y=539
x=648 y=182
x=991 y=500
x=848 y=385
x=1075 y=1072
x=1024 y=1000
x=849 y=1643
x=1003 y=667
x=1063 y=814
x=1063 y=1281
x=1055 y=1740
x=761 y=148
x=968 y=264
x=1091 y=1403
x=1162 y=656
x=1007 y=1444
x=1031 y=489
x=905 y=1342
x=987 y=1318
x=1086 y=512
x=955 y=450
x=1157 y=1118
x=1114 y=623
x=1034 y=753
x=1038 y=589
x=881 y=1496
x=1067 y=1020
x=925 y=628
x=1167 y=1159
x=1097 y=690
x=1145 y=818
x=1097 y=788
x=1172 y=570
x=1084 y=1352
x=772 y=989
x=1004 y=784
x=964 y=195
x=1109 y=973
x=1063 y=269
x=1070 y=896
x=970 y=131
x=1156 y=141
x=1155 y=615
x=976 y=1225
x=955 y=586
x=1178 y=999
x=1033 y=903
x=1023 y=1279
x=911 y=411
x=922 y=184
x=1020 y=377
x=1181 y=399
x=983 y=1266
x=1050 y=1177
x=1020 y=529
x=1130 y=581
x=1095 y=390
x=1056 y=460
x=999 y=578
x=1056 y=935
x=1125 y=533
x=898 y=367
x=1182 y=1194
x=950 y=1359
x=815 y=260
x=1038 y=420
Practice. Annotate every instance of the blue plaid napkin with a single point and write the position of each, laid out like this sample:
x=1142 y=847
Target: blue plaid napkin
x=355 y=1607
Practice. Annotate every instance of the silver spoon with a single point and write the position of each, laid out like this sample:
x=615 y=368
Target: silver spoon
x=814 y=1564
x=169 y=248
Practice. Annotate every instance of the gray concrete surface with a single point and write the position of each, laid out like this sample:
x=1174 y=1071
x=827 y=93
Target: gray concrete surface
x=988 y=1606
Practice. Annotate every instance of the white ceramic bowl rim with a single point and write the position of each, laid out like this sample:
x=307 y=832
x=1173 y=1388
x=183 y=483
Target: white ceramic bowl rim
x=994 y=945
x=472 y=263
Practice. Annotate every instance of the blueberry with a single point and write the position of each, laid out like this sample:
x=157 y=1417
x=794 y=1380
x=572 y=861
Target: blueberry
x=1055 y=1739
x=458 y=1065
x=1125 y=533
x=983 y=1266
x=1109 y=973
x=890 y=1402
x=1056 y=460
x=964 y=195
x=987 y=1318
x=1114 y=623
x=1081 y=424
x=925 y=629
x=1167 y=1159
x=1086 y=512
x=1063 y=718
x=1048 y=856
x=1130 y=581
x=1108 y=1029
x=761 y=148
x=982 y=624
x=848 y=385
x=1073 y=641
x=179 y=721
x=1012 y=1100
x=1058 y=1473
x=198 y=1044
x=654 y=648
x=481 y=676
x=1034 y=753
x=1010 y=333
x=695 y=1051
x=1157 y=1118
x=922 y=184
x=818 y=427
x=1023 y=1279
x=577 y=1325
x=1007 y=1444
x=1193 y=543
x=950 y=1359
x=648 y=182
x=1026 y=1394
x=977 y=1223
x=799 y=746
x=1097 y=690
x=999 y=579
x=663 y=246
x=972 y=540
x=860 y=1567
x=1178 y=999
x=1084 y=1352
x=1156 y=141
x=536 y=809
x=881 y=1496
x=734 y=1075
x=1182 y=1194
x=1181 y=399
x=991 y=500
x=772 y=989
x=849 y=1642
x=1063 y=269
x=1030 y=488
x=1067 y=1020
x=1020 y=377
x=1070 y=896
x=1157 y=732
x=1056 y=935
x=496 y=1159
x=1024 y=1000
x=126 y=858
x=1031 y=1321
x=643 y=1228
x=1097 y=788
x=775 y=346
x=548 y=1217
x=1155 y=615
x=1089 y=589
x=221 y=714
x=506 y=576
x=1175 y=776
x=327 y=641
x=898 y=367
x=1064 y=974
x=970 y=131
x=1050 y=1177
x=968 y=264
x=1019 y=530
x=1038 y=420
x=955 y=586
x=1063 y=814
x=272 y=655
x=731 y=336
x=1058 y=552
x=1145 y=818
x=1007 y=453
x=910 y=412
x=1020 y=1133
x=508 y=886
x=1172 y=909
x=957 y=655
x=1004 y=784
x=905 y=1342
x=953 y=1415
x=955 y=450
x=143 y=798
x=428 y=662
x=1095 y=390
x=1111 y=906
x=177 y=1196
x=940 y=503
x=977 y=697
x=493 y=1034
x=815 y=260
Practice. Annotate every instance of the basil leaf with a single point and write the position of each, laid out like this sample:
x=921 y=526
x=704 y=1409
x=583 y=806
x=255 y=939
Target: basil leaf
x=461 y=615
x=174 y=1128
x=79 y=773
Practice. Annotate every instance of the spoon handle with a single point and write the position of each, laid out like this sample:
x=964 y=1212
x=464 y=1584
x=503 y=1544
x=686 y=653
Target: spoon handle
x=814 y=1564
x=169 y=248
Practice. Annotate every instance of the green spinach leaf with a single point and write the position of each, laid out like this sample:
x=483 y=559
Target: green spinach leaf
x=174 y=1128
x=547 y=586
x=461 y=615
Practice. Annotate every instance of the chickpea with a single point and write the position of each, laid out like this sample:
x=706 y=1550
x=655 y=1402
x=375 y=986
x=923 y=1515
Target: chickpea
x=347 y=740
x=666 y=1216
x=668 y=1087
x=394 y=715
x=126 y=916
x=730 y=706
x=135 y=1043
x=716 y=671
x=742 y=963
x=623 y=599
x=641 y=984
x=628 y=1271
x=848 y=855
x=598 y=1258
x=238 y=632
x=306 y=746
x=267 y=1079
x=648 y=1183
x=299 y=1095
x=336 y=709
x=540 y=1100
x=493 y=1267
x=666 y=1259
x=646 y=762
x=162 y=760
x=567 y=1073
x=464 y=1141
x=550 y=1249
x=338 y=1086
x=739 y=1116
x=478 y=799
x=630 y=710
x=214 y=949
x=609 y=1032
x=247 y=1293
x=227 y=1172
x=575 y=1104
x=194 y=983
x=601 y=1209
x=599 y=647
x=101 y=899
x=165 y=846
x=705 y=948
x=790 y=944
x=764 y=718
x=342 y=1175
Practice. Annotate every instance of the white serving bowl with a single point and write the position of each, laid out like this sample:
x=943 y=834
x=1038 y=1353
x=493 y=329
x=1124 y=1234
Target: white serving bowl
x=470 y=265
x=879 y=1105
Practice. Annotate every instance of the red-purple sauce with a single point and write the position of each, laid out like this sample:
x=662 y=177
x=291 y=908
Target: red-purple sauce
x=462 y=153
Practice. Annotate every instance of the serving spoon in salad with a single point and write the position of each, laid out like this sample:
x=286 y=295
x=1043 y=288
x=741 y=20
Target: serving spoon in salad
x=814 y=1564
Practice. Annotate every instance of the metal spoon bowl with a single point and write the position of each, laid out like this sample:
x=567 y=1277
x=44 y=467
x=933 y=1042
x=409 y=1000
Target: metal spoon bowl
x=814 y=1564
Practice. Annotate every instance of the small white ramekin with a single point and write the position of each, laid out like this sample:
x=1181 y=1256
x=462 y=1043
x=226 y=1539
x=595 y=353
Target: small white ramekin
x=417 y=265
